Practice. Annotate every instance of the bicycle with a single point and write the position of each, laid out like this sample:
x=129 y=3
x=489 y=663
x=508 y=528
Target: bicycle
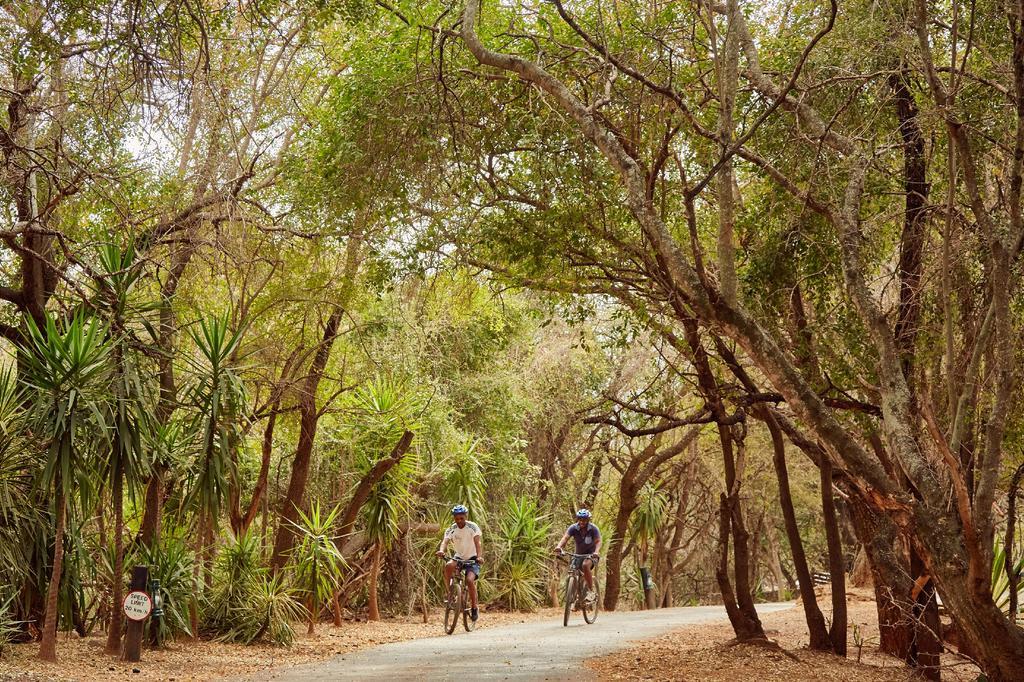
x=575 y=590
x=457 y=600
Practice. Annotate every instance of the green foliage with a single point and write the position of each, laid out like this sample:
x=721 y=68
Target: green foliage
x=464 y=481
x=1001 y=581
x=247 y=604
x=9 y=627
x=316 y=562
x=64 y=368
x=522 y=537
x=171 y=562
x=219 y=399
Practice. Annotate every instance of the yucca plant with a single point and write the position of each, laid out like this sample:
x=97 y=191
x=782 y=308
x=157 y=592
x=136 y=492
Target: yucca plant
x=1000 y=580
x=523 y=539
x=9 y=627
x=247 y=603
x=647 y=518
x=127 y=465
x=64 y=368
x=383 y=410
x=171 y=562
x=464 y=478
x=218 y=397
x=317 y=563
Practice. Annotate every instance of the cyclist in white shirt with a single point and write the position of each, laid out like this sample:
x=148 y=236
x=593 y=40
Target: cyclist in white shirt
x=464 y=537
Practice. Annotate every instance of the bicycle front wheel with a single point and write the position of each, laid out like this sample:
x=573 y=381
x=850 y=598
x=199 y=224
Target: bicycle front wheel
x=590 y=608
x=570 y=597
x=451 y=607
x=467 y=616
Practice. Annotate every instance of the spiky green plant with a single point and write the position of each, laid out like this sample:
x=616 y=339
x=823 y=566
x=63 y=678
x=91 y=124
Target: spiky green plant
x=648 y=517
x=1001 y=581
x=218 y=398
x=127 y=464
x=64 y=368
x=522 y=538
x=247 y=604
x=171 y=563
x=9 y=627
x=464 y=480
x=316 y=562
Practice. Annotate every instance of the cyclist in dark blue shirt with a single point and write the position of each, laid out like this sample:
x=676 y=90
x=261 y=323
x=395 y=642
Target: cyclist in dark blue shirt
x=588 y=544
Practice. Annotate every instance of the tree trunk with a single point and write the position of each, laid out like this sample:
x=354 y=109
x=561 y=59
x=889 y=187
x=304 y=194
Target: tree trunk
x=117 y=592
x=264 y=475
x=373 y=612
x=613 y=566
x=308 y=420
x=889 y=561
x=836 y=566
x=48 y=647
x=819 y=637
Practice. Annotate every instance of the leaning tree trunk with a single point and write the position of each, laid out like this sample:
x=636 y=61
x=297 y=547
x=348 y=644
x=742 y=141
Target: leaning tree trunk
x=48 y=647
x=819 y=636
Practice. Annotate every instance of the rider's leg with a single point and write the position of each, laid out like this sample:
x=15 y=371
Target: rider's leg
x=471 y=583
x=449 y=571
x=588 y=574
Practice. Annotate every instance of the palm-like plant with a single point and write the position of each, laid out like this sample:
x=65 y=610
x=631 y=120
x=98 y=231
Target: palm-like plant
x=247 y=603
x=523 y=538
x=63 y=368
x=20 y=516
x=383 y=411
x=316 y=560
x=127 y=464
x=218 y=398
x=1000 y=580
x=464 y=479
x=170 y=563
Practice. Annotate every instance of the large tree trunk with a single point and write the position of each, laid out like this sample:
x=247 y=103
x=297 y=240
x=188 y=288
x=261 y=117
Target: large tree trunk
x=614 y=552
x=48 y=647
x=309 y=417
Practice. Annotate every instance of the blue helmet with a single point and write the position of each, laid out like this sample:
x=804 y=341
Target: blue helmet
x=583 y=514
x=459 y=509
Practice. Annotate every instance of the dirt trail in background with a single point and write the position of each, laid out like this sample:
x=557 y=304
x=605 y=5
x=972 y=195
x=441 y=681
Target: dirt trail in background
x=539 y=650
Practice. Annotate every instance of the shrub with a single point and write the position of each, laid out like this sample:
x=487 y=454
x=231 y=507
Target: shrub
x=522 y=539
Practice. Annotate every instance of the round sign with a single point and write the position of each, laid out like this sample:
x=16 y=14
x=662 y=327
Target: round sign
x=137 y=605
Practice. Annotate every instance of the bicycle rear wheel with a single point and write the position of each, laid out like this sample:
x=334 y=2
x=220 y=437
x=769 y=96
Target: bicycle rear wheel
x=467 y=617
x=570 y=597
x=590 y=608
x=451 y=606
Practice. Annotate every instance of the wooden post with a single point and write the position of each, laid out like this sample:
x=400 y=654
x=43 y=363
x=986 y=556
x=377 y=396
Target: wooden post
x=133 y=637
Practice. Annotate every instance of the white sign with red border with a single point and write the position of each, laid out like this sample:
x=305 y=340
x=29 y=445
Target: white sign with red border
x=137 y=605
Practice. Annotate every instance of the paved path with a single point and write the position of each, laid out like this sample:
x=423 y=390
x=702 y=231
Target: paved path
x=538 y=650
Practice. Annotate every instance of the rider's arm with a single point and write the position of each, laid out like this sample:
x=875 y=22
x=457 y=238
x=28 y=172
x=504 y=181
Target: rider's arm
x=565 y=539
x=444 y=544
x=479 y=552
x=597 y=546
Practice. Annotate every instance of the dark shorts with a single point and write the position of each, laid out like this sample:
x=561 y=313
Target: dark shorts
x=473 y=566
x=577 y=561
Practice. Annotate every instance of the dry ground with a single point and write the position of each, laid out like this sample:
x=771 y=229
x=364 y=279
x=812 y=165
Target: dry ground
x=83 y=660
x=703 y=653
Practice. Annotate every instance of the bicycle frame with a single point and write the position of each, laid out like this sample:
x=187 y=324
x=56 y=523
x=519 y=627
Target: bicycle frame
x=456 y=597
